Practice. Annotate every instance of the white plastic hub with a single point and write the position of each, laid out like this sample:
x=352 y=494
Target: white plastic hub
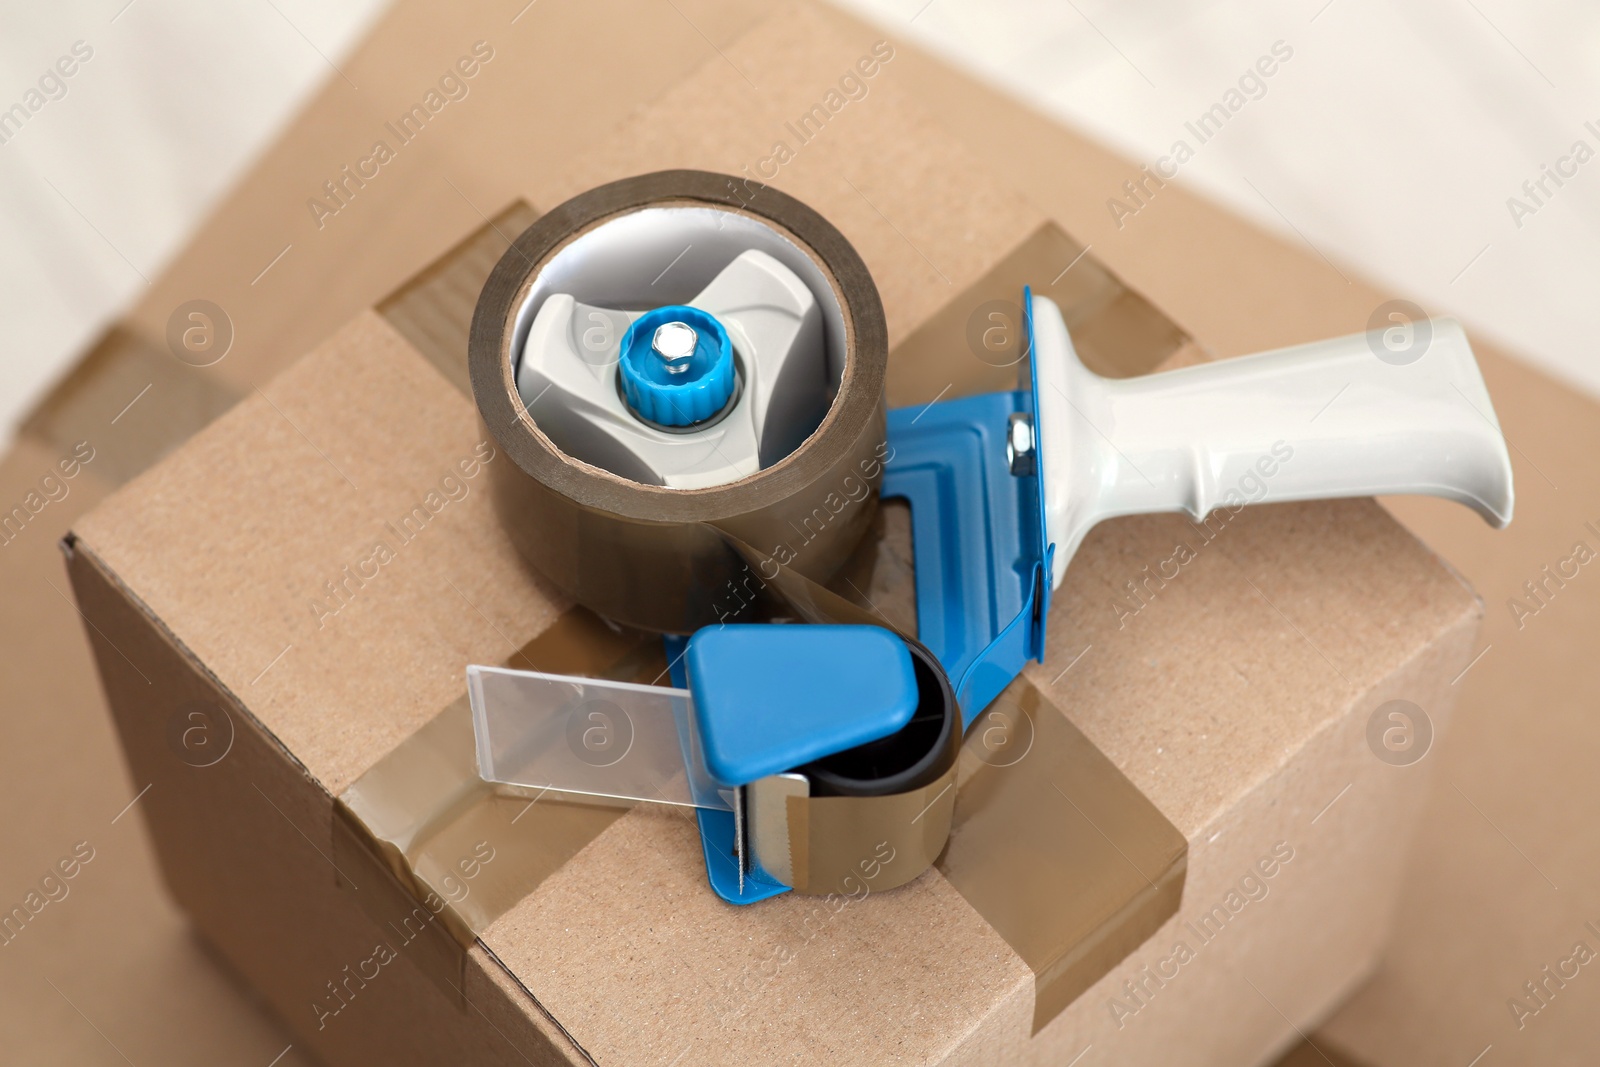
x=788 y=344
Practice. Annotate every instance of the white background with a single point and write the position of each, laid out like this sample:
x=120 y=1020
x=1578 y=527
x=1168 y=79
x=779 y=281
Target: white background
x=1389 y=143
x=101 y=187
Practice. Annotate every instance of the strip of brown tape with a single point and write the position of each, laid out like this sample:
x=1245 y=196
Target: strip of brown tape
x=447 y=852
x=1048 y=841
x=433 y=309
x=132 y=400
x=1057 y=849
x=974 y=343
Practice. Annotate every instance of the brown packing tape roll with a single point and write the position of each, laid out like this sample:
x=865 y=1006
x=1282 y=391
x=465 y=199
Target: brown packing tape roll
x=654 y=557
x=838 y=842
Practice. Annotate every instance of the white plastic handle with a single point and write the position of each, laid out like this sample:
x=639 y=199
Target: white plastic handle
x=1316 y=421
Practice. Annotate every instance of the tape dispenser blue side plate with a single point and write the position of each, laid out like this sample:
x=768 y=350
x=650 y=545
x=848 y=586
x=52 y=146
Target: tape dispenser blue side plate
x=975 y=483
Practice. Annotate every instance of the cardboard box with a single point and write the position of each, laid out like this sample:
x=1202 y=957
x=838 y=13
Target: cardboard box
x=222 y=622
x=1253 y=742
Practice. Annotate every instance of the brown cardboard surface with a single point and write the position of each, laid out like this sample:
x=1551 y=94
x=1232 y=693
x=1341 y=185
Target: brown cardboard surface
x=325 y=500
x=1505 y=879
x=1317 y=1053
x=104 y=394
x=255 y=847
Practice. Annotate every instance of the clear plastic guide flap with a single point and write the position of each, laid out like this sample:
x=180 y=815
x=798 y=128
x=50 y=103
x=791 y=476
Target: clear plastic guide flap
x=589 y=738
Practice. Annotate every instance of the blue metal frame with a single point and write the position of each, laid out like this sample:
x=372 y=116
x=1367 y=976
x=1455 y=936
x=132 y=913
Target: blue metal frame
x=983 y=558
x=717 y=827
x=978 y=534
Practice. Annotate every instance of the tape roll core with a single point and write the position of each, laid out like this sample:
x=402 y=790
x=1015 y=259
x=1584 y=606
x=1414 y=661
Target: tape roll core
x=907 y=759
x=658 y=558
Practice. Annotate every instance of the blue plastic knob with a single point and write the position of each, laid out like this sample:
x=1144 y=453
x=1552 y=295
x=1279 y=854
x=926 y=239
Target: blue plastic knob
x=677 y=365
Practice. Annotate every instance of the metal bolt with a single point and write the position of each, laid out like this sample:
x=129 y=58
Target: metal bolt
x=1019 y=443
x=675 y=343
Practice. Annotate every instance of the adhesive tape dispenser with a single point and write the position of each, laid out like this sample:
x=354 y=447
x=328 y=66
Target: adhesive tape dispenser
x=673 y=339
